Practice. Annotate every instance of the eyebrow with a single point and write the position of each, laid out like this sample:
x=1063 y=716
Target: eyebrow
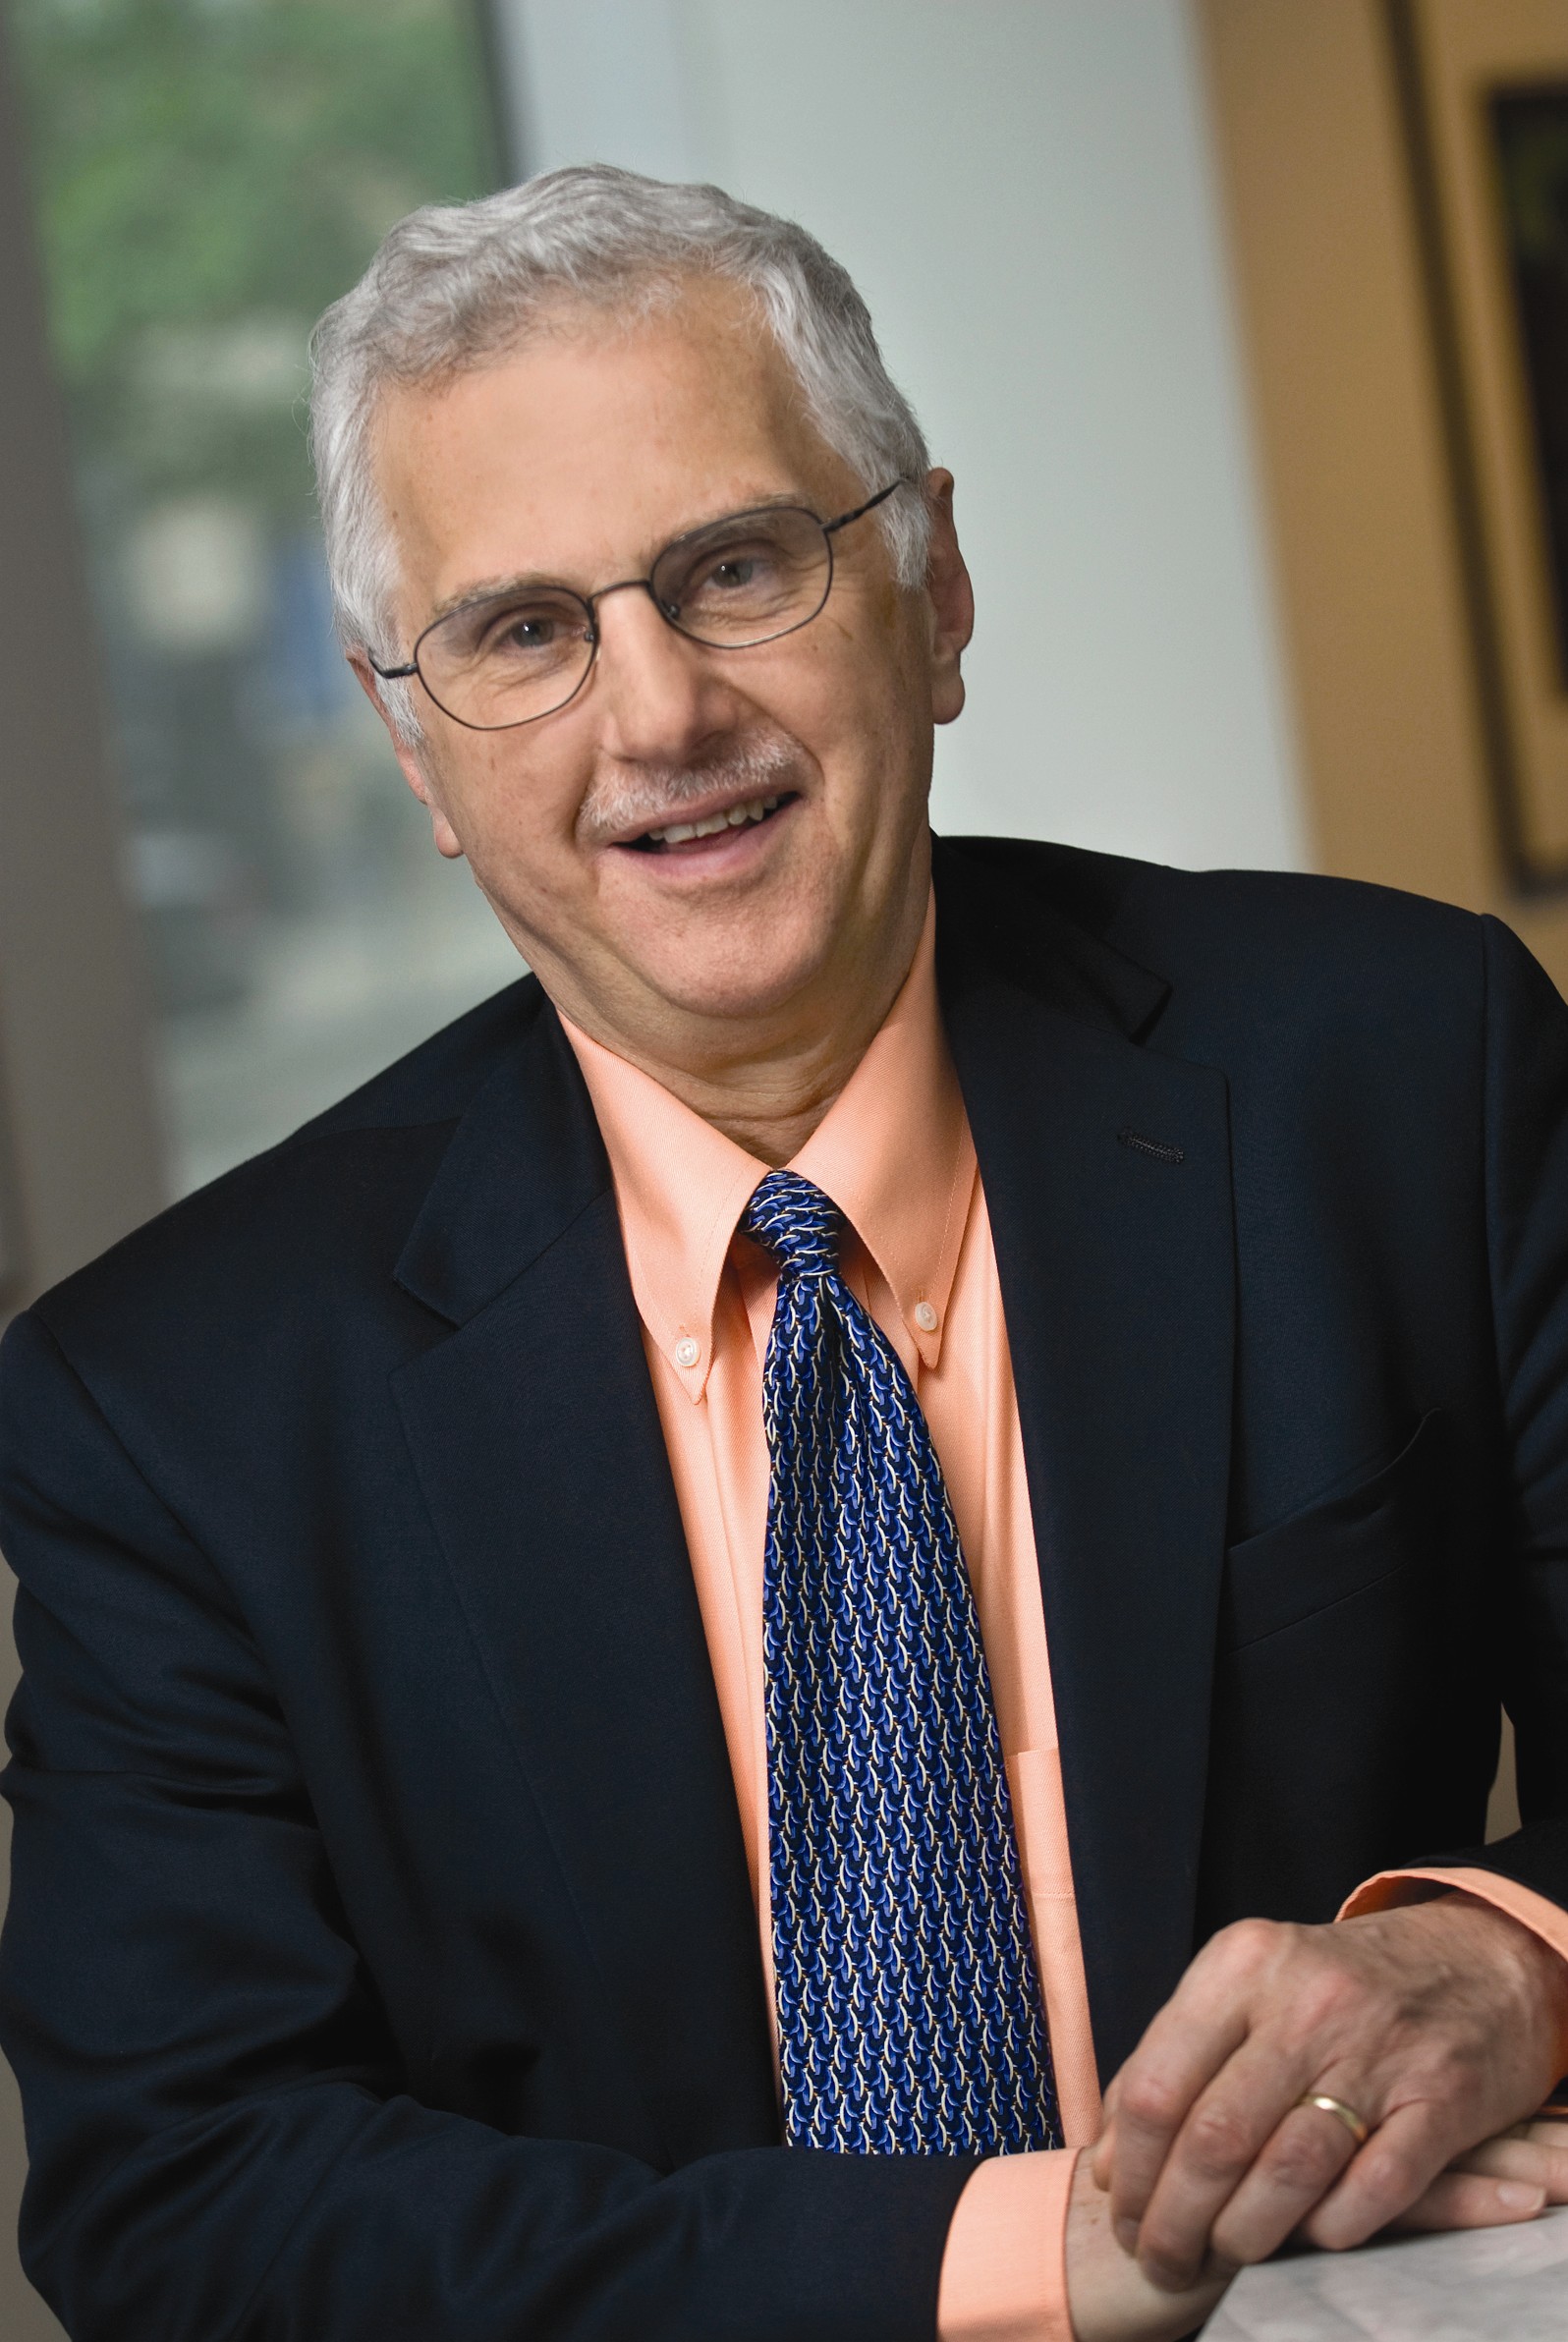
x=470 y=597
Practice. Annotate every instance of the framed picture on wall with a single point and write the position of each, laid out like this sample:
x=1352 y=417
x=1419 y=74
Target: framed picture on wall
x=10 y=1259
x=1484 y=90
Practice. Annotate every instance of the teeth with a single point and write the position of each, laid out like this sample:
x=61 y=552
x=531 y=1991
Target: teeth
x=737 y=817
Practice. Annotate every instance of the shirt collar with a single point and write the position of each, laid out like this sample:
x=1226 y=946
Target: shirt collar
x=893 y=1150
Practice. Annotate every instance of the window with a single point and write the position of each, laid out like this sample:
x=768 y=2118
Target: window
x=208 y=174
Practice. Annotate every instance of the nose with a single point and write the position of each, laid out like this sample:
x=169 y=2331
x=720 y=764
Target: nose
x=657 y=693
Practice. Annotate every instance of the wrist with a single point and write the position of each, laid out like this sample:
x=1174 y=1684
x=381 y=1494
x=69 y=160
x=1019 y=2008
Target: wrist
x=1108 y=2297
x=1540 y=1970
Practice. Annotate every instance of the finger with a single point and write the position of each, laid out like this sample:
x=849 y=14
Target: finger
x=1541 y=2164
x=1108 y=2297
x=1466 y=2200
x=1200 y=2027
x=1293 y=2172
x=1243 y=2139
x=1102 y=2156
x=1392 y=2172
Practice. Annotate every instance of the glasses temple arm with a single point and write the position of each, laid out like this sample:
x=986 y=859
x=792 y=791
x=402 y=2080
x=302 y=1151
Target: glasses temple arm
x=870 y=505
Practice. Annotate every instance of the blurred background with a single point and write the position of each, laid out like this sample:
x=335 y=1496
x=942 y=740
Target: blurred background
x=1240 y=322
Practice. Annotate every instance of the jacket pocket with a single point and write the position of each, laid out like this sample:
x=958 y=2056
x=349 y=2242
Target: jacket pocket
x=1336 y=1548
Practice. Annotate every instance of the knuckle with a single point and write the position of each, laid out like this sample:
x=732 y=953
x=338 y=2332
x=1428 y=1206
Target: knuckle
x=1149 y=2103
x=1331 y=2233
x=1391 y=2177
x=1462 y=2073
x=1246 y=2255
x=1302 y=2162
x=1166 y=2253
x=1251 y=1943
x=1333 y=1988
x=1240 y=2242
x=1319 y=2003
x=1217 y=2142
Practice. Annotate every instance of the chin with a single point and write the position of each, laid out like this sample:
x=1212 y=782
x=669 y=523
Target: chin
x=750 y=962
x=743 y=984
x=738 y=998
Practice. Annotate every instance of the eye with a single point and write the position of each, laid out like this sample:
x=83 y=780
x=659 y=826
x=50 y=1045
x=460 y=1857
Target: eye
x=733 y=571
x=526 y=630
x=754 y=573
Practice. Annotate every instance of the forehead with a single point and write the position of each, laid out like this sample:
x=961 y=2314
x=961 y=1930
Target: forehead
x=592 y=443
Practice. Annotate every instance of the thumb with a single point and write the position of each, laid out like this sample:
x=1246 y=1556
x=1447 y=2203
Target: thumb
x=1103 y=2154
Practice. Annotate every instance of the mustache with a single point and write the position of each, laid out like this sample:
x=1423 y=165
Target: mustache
x=655 y=794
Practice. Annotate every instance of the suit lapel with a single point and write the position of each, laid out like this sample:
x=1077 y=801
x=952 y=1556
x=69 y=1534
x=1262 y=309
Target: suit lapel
x=1116 y=1266
x=539 y=1449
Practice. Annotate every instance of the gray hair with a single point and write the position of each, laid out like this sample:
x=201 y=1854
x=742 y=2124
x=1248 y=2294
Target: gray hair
x=454 y=285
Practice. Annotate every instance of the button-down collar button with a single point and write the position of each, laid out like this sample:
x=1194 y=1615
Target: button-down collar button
x=925 y=1316
x=688 y=1350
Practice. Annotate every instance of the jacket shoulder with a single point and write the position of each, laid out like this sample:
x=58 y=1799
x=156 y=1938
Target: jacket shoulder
x=1239 y=940
x=1145 y=907
x=329 y=1207
x=435 y=1081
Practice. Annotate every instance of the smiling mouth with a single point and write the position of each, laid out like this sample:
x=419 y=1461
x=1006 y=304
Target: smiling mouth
x=673 y=835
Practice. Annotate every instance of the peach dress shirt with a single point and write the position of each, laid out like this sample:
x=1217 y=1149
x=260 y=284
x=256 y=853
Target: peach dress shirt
x=895 y=1154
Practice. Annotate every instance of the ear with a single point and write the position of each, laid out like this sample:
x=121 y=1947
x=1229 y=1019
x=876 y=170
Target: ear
x=414 y=772
x=952 y=601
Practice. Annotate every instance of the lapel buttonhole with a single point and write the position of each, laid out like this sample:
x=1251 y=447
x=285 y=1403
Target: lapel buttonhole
x=1158 y=1148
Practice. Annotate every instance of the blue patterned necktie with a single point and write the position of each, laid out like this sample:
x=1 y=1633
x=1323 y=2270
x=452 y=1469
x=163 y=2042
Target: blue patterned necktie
x=909 y=2009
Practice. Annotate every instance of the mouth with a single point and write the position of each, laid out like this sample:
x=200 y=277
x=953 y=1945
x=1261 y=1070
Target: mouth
x=696 y=836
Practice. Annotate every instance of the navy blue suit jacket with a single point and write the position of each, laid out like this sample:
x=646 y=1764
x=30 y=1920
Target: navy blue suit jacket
x=381 y=1962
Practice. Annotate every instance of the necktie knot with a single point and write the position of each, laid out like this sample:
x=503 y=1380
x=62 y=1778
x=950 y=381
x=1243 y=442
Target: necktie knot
x=797 y=1224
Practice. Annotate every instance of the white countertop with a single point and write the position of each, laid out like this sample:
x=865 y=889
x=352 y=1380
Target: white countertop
x=1484 y=2285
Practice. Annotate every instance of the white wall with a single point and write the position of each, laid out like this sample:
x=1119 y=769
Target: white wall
x=1023 y=190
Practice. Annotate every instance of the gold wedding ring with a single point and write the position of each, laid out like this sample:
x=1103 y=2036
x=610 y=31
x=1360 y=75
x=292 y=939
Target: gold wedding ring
x=1361 y=2132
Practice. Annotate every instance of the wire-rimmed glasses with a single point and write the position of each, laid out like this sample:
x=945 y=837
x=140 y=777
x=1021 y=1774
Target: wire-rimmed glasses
x=512 y=656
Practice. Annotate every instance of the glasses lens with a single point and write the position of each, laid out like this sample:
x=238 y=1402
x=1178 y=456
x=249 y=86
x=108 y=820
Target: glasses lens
x=746 y=579
x=507 y=660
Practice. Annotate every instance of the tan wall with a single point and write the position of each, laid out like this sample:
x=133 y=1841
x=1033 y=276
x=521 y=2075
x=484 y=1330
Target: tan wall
x=1350 y=426
x=1341 y=356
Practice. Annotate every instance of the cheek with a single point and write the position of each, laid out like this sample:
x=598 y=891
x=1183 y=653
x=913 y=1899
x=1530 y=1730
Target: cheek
x=846 y=710
x=500 y=800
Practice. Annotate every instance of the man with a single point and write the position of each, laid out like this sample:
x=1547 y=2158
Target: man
x=848 y=1512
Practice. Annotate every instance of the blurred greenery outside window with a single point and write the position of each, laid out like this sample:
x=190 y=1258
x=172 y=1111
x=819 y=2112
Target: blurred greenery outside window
x=208 y=175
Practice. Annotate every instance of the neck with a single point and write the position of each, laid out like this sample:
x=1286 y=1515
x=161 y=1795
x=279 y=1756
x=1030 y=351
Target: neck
x=772 y=1104
x=765 y=1085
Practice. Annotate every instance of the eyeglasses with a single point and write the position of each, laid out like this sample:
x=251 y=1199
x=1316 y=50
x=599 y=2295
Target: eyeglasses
x=508 y=658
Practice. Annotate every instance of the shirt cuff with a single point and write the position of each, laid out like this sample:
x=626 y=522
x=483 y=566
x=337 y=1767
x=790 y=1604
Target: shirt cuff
x=1542 y=1916
x=1004 y=2271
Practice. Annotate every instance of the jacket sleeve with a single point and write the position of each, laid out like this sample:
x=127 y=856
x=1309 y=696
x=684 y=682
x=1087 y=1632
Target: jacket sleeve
x=222 y=2145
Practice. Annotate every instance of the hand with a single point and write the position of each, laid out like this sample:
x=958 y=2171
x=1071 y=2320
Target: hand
x=1110 y=2300
x=1108 y=2297
x=1438 y=2023
x=1531 y=2163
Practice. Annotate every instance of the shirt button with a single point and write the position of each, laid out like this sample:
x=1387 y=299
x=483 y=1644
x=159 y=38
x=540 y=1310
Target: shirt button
x=688 y=1350
x=926 y=1317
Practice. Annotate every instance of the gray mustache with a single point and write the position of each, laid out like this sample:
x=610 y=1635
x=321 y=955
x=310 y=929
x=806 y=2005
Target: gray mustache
x=659 y=792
